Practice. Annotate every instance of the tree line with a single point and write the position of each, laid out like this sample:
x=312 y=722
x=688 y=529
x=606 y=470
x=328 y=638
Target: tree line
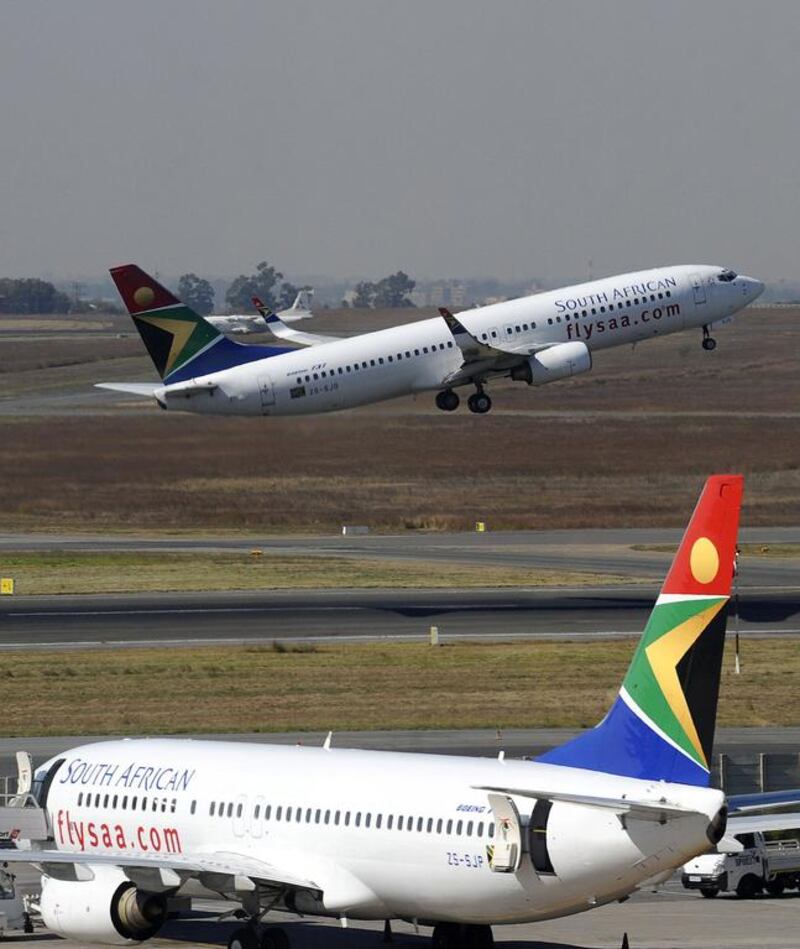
x=30 y=295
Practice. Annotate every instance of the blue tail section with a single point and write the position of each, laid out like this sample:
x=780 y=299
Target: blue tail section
x=223 y=353
x=626 y=745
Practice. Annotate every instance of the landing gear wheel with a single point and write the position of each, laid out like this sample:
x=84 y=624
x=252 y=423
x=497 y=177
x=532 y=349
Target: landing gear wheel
x=709 y=342
x=274 y=938
x=447 y=935
x=477 y=937
x=479 y=403
x=243 y=938
x=455 y=936
x=447 y=400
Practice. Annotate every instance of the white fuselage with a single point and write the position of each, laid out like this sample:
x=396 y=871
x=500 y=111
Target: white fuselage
x=420 y=356
x=382 y=834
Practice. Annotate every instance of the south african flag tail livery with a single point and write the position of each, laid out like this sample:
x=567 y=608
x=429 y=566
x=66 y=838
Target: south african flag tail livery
x=661 y=726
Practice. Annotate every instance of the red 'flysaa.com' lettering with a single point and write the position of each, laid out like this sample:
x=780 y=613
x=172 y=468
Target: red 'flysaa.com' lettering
x=96 y=835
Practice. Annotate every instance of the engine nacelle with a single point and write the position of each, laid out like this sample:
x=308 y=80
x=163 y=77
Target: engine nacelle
x=557 y=362
x=108 y=909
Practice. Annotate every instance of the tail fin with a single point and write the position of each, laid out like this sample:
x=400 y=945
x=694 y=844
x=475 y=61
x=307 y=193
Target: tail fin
x=661 y=726
x=172 y=332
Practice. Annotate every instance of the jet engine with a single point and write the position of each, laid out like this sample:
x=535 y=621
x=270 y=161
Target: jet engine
x=108 y=909
x=557 y=362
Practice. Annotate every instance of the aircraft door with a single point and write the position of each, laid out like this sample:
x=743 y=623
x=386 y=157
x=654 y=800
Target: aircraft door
x=698 y=290
x=257 y=817
x=537 y=838
x=267 y=391
x=506 y=850
x=494 y=336
x=509 y=333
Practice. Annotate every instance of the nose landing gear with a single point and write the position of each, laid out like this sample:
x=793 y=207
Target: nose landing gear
x=709 y=342
x=479 y=402
x=447 y=400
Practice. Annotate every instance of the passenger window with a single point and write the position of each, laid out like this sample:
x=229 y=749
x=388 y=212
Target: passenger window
x=380 y=359
x=308 y=815
x=340 y=371
x=419 y=825
x=105 y=801
x=327 y=817
x=550 y=320
x=378 y=821
x=267 y=812
x=125 y=803
x=155 y=804
x=389 y=821
x=479 y=831
x=278 y=812
x=602 y=309
x=416 y=352
x=364 y=364
x=525 y=326
x=133 y=804
x=238 y=810
x=288 y=813
x=390 y=358
x=450 y=344
x=484 y=336
x=450 y=826
x=336 y=818
x=257 y=811
x=80 y=798
x=164 y=805
x=439 y=824
x=408 y=354
x=372 y=362
x=430 y=825
x=317 y=816
x=425 y=349
x=358 y=818
x=368 y=819
x=459 y=827
x=299 y=815
x=400 y=822
x=316 y=377
x=347 y=818
x=469 y=828
x=192 y=809
x=490 y=831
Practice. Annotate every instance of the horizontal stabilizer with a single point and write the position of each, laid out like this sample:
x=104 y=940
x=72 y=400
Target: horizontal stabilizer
x=763 y=823
x=134 y=388
x=657 y=811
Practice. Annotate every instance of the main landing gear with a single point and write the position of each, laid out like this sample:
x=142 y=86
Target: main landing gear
x=479 y=402
x=256 y=937
x=447 y=400
x=459 y=936
x=709 y=342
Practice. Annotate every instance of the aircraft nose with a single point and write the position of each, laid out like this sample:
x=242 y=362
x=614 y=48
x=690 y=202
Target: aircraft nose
x=753 y=288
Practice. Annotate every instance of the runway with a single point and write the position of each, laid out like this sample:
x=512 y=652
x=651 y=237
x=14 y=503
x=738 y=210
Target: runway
x=311 y=615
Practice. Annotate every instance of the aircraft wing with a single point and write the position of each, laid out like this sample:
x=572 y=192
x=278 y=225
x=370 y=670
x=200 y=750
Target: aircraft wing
x=278 y=328
x=762 y=822
x=657 y=811
x=173 y=869
x=482 y=359
x=134 y=388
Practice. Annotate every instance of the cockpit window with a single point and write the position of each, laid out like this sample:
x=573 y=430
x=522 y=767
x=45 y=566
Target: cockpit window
x=727 y=276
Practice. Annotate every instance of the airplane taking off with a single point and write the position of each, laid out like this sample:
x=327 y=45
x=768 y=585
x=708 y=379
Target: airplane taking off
x=536 y=340
x=456 y=843
x=242 y=324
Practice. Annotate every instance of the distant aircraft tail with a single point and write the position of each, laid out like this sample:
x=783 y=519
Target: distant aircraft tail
x=661 y=726
x=181 y=343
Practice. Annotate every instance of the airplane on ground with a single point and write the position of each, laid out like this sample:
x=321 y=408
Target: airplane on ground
x=536 y=340
x=456 y=843
x=242 y=324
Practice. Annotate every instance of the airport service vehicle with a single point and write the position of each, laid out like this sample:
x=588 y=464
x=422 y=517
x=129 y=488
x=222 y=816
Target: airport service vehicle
x=772 y=865
x=535 y=340
x=456 y=843
x=242 y=324
x=13 y=912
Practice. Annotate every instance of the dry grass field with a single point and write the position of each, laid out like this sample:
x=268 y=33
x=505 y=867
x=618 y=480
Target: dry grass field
x=115 y=572
x=357 y=686
x=626 y=445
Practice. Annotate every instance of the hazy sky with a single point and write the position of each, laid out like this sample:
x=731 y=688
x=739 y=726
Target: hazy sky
x=446 y=137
